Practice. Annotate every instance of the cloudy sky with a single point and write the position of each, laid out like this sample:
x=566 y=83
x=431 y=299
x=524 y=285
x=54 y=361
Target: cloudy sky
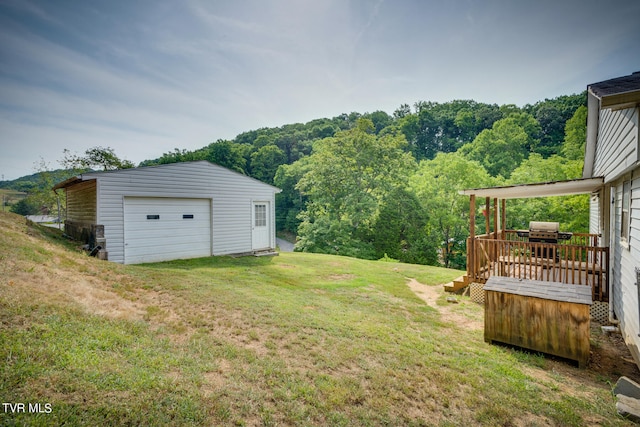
x=145 y=77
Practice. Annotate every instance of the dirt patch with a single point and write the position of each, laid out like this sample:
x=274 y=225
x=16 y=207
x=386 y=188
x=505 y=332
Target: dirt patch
x=610 y=355
x=214 y=381
x=609 y=360
x=87 y=292
x=452 y=313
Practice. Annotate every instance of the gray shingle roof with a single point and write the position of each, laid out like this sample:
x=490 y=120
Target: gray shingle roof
x=616 y=86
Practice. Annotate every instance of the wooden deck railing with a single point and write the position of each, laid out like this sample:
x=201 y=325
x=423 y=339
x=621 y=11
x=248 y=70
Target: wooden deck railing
x=577 y=261
x=579 y=239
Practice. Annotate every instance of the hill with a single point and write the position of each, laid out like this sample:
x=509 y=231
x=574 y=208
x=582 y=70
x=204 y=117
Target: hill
x=35 y=181
x=299 y=339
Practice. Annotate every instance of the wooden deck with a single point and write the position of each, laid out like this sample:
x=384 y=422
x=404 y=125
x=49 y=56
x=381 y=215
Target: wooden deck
x=577 y=262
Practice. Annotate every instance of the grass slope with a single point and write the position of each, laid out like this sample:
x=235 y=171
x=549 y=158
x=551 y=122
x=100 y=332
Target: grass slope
x=300 y=339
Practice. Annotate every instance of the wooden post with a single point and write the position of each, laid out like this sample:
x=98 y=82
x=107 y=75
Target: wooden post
x=487 y=226
x=495 y=217
x=503 y=214
x=472 y=238
x=495 y=253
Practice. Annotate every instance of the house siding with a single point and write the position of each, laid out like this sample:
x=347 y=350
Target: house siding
x=617 y=144
x=626 y=258
x=612 y=151
x=594 y=214
x=231 y=194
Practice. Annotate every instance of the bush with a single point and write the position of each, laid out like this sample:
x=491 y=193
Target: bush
x=26 y=206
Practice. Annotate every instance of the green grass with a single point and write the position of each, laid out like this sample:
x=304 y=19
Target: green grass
x=298 y=339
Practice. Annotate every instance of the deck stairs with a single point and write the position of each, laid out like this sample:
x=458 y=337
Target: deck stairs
x=457 y=284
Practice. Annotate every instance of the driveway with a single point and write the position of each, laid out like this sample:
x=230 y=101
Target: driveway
x=284 y=245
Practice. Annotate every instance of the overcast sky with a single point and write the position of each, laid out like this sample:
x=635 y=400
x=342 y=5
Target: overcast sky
x=145 y=77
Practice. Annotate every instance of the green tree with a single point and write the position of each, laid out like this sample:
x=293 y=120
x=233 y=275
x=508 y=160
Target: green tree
x=26 y=206
x=473 y=119
x=228 y=154
x=380 y=120
x=265 y=162
x=41 y=199
x=348 y=176
x=436 y=184
x=499 y=149
x=530 y=126
x=446 y=127
x=103 y=158
x=291 y=202
x=575 y=135
x=538 y=169
x=552 y=114
x=402 y=111
x=400 y=230
x=572 y=212
x=178 y=155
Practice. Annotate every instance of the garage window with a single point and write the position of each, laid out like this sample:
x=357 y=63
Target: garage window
x=153 y=216
x=187 y=216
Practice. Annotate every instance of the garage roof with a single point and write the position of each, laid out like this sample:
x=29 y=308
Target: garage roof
x=94 y=174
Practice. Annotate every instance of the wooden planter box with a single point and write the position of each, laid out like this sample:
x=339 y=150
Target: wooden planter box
x=548 y=317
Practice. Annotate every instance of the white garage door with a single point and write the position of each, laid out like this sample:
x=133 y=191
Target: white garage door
x=162 y=229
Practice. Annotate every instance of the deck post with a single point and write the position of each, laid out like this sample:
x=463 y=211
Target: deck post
x=495 y=218
x=471 y=250
x=503 y=218
x=494 y=251
x=487 y=223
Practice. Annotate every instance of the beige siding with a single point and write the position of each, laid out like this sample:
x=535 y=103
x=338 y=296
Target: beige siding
x=231 y=193
x=617 y=146
x=81 y=202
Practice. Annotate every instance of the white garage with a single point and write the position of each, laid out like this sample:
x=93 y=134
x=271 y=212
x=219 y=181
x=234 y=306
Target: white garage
x=161 y=229
x=173 y=211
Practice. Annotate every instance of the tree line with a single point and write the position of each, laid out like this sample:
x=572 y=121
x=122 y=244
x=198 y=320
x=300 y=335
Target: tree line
x=376 y=185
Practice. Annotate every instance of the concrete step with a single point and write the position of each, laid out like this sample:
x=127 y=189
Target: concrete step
x=265 y=253
x=627 y=394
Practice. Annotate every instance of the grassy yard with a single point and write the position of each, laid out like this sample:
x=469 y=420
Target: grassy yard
x=299 y=339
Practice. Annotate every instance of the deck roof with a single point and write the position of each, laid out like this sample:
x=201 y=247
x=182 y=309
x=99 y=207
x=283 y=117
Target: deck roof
x=543 y=189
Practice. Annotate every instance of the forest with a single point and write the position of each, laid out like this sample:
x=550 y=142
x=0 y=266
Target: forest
x=375 y=185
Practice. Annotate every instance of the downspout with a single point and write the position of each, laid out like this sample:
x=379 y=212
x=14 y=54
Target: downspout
x=58 y=203
x=471 y=272
x=609 y=208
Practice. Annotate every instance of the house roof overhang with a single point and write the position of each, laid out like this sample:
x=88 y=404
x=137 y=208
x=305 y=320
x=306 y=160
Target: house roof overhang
x=618 y=93
x=543 y=189
x=67 y=182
